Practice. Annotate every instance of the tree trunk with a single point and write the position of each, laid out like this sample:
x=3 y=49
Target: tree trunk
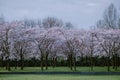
x=113 y=61
x=108 y=63
x=55 y=61
x=86 y=58
x=21 y=61
x=53 y=64
x=15 y=63
x=42 y=62
x=74 y=64
x=81 y=60
x=46 y=62
x=116 y=61
x=1 y=62
x=91 y=63
x=71 y=61
x=8 y=65
x=103 y=63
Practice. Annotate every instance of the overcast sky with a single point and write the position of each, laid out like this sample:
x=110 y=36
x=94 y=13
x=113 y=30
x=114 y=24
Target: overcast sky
x=82 y=13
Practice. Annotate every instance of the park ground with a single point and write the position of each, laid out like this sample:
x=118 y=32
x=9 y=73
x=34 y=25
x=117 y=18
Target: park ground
x=60 y=69
x=59 y=77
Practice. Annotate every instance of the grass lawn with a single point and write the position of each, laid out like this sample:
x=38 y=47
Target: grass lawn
x=65 y=69
x=59 y=77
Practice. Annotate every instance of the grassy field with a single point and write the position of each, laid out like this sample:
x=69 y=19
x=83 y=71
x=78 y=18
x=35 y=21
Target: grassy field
x=58 y=69
x=58 y=77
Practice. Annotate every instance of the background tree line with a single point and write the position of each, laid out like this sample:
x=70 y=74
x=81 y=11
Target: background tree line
x=51 y=42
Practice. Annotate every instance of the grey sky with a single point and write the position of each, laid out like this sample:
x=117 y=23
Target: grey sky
x=82 y=13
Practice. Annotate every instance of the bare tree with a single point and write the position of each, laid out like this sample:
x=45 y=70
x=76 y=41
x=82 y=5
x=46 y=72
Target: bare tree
x=69 y=25
x=51 y=22
x=2 y=19
x=110 y=18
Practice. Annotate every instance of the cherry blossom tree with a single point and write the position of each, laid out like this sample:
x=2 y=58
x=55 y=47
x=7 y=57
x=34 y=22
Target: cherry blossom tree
x=109 y=42
x=5 y=41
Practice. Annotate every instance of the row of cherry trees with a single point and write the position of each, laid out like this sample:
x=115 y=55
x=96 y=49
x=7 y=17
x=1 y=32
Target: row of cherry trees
x=50 y=39
x=18 y=43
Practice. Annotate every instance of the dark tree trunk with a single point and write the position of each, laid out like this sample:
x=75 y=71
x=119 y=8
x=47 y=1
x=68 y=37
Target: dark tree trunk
x=74 y=64
x=86 y=58
x=113 y=61
x=81 y=60
x=46 y=62
x=15 y=63
x=21 y=61
x=91 y=63
x=53 y=62
x=108 y=63
x=1 y=62
x=71 y=61
x=68 y=61
x=8 y=65
x=42 y=62
x=103 y=61
x=116 y=61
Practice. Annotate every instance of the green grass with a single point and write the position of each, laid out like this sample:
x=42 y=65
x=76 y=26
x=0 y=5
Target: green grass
x=58 y=77
x=58 y=69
